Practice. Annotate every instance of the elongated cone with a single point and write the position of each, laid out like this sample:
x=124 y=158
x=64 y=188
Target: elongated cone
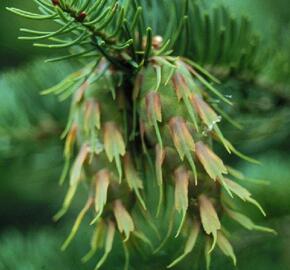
x=166 y=108
x=209 y=218
x=168 y=96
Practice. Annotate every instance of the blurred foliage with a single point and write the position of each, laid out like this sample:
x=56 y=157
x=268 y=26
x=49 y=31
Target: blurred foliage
x=39 y=249
x=274 y=169
x=271 y=19
x=30 y=126
x=14 y=52
x=260 y=252
x=35 y=250
x=262 y=112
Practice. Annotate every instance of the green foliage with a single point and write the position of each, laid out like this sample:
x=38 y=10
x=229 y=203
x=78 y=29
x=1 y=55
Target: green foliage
x=36 y=250
x=206 y=34
x=212 y=35
x=24 y=114
x=88 y=25
x=275 y=171
x=14 y=52
x=30 y=127
x=261 y=112
x=40 y=249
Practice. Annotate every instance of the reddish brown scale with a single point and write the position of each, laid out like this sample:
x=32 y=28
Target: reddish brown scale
x=180 y=86
x=102 y=182
x=181 y=135
x=153 y=107
x=181 y=178
x=92 y=112
x=81 y=17
x=55 y=2
x=212 y=164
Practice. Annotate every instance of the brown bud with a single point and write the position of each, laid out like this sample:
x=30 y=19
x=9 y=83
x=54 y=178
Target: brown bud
x=55 y=2
x=81 y=17
x=157 y=42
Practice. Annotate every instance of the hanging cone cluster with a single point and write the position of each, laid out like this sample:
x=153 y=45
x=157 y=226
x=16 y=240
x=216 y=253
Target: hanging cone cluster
x=166 y=116
x=136 y=109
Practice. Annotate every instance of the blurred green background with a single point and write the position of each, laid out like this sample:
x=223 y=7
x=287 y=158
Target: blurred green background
x=31 y=151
